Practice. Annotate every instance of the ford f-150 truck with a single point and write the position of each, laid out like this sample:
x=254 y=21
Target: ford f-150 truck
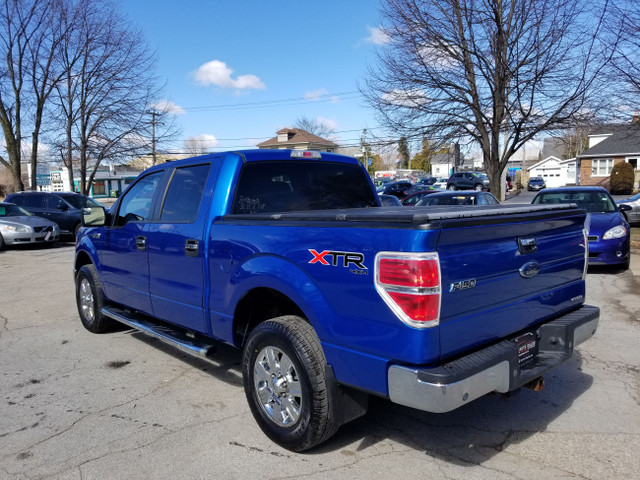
x=288 y=256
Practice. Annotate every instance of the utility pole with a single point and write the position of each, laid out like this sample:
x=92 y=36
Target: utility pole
x=153 y=123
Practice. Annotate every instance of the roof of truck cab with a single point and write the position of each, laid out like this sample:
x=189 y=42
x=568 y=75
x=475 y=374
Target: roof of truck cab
x=258 y=155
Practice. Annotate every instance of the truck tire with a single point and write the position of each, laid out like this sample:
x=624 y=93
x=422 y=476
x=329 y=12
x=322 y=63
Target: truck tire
x=477 y=187
x=90 y=300
x=451 y=187
x=284 y=376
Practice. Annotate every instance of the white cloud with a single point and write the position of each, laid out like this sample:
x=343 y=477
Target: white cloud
x=219 y=74
x=206 y=141
x=322 y=92
x=327 y=122
x=316 y=94
x=168 y=106
x=377 y=36
x=406 y=98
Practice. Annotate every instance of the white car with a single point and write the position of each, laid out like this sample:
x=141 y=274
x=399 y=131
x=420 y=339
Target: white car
x=17 y=226
x=440 y=183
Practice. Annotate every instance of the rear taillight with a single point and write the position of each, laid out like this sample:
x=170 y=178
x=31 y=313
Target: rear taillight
x=410 y=284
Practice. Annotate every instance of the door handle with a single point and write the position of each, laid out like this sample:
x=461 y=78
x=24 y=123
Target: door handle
x=141 y=243
x=191 y=248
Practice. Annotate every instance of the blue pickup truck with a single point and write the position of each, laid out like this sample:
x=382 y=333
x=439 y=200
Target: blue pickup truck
x=288 y=256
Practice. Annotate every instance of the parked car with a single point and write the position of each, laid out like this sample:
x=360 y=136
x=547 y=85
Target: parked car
x=458 y=198
x=535 y=184
x=389 y=200
x=609 y=232
x=632 y=214
x=63 y=208
x=397 y=189
x=17 y=227
x=440 y=183
x=468 y=181
x=412 y=198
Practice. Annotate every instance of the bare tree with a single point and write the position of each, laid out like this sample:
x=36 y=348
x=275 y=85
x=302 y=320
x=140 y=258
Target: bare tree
x=314 y=126
x=30 y=31
x=195 y=146
x=497 y=72
x=107 y=90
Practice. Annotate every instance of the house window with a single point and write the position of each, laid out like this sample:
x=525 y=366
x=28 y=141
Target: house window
x=98 y=188
x=633 y=162
x=601 y=167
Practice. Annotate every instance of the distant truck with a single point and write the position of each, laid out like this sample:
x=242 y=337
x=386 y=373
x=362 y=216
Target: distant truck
x=288 y=256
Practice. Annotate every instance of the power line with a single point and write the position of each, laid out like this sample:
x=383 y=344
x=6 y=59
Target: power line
x=325 y=97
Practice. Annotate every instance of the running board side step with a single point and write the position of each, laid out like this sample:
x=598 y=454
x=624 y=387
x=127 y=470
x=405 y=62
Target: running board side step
x=184 y=340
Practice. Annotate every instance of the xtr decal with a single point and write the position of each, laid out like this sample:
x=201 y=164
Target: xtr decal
x=331 y=258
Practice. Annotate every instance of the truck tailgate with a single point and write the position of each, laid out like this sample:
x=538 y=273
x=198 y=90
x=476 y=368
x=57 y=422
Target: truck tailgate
x=502 y=276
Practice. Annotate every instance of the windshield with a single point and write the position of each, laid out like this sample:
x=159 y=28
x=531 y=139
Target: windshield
x=446 y=200
x=592 y=202
x=80 y=201
x=13 y=211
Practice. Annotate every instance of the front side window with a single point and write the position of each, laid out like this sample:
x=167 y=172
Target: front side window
x=135 y=206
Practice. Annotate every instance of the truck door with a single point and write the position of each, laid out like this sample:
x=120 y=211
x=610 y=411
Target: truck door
x=123 y=246
x=177 y=250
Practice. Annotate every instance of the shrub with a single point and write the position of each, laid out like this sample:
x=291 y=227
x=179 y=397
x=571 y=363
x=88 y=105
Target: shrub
x=622 y=178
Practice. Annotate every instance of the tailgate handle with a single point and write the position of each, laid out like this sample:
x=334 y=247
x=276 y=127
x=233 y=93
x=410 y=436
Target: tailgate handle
x=527 y=245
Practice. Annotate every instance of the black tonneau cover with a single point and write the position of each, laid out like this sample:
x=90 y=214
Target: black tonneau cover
x=414 y=216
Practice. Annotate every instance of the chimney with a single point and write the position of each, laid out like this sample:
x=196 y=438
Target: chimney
x=636 y=118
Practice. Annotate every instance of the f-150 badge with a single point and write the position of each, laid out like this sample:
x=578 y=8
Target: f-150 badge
x=462 y=285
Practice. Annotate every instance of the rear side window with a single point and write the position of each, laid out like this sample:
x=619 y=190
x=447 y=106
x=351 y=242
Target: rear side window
x=184 y=195
x=282 y=186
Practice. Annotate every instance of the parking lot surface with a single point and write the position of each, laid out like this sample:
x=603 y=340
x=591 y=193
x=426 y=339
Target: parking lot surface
x=76 y=405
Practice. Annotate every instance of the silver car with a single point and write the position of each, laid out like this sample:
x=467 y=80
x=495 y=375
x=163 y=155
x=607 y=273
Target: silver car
x=632 y=215
x=17 y=226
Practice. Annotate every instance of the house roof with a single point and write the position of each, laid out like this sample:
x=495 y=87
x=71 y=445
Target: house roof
x=296 y=136
x=622 y=140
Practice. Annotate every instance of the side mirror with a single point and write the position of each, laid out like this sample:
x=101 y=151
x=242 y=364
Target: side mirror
x=624 y=207
x=62 y=207
x=94 y=216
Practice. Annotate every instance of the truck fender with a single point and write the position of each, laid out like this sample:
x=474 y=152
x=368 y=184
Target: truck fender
x=285 y=277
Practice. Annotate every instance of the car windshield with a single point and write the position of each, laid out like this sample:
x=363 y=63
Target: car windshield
x=80 y=201
x=592 y=202
x=446 y=200
x=13 y=211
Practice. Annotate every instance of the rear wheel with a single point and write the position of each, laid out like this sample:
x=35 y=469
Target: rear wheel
x=451 y=187
x=283 y=369
x=478 y=187
x=90 y=301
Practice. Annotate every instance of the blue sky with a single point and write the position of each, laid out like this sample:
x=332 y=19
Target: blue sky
x=229 y=67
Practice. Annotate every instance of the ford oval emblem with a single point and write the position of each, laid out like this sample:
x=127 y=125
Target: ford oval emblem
x=529 y=269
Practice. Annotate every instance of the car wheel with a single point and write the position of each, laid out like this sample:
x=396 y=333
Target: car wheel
x=284 y=375
x=478 y=187
x=90 y=300
x=451 y=187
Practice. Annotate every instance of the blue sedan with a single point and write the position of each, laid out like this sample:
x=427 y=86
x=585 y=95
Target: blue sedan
x=609 y=232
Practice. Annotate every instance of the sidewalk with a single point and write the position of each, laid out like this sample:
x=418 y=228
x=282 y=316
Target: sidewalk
x=635 y=263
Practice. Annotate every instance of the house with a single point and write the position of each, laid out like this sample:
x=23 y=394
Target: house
x=297 y=139
x=554 y=171
x=609 y=145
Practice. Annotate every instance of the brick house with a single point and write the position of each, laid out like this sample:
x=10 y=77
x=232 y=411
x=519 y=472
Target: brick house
x=296 y=139
x=609 y=145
